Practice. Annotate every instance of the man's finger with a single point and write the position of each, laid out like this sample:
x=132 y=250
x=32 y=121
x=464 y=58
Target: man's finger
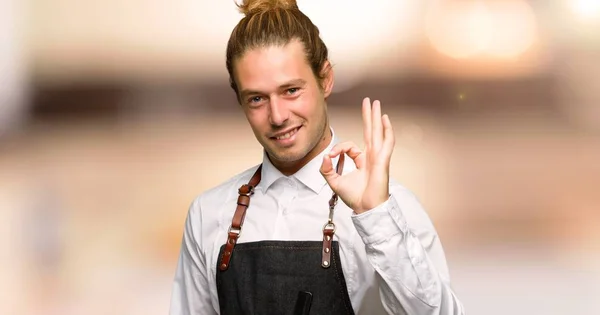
x=328 y=172
x=389 y=139
x=342 y=147
x=366 y=114
x=376 y=128
x=352 y=150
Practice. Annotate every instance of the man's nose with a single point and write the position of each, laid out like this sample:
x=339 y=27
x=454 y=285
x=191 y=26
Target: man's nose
x=279 y=112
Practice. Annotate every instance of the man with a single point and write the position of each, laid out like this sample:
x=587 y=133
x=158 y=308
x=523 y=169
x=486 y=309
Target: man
x=275 y=239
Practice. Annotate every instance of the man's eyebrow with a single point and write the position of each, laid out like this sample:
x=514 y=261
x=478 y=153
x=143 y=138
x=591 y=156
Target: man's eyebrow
x=247 y=92
x=287 y=85
x=292 y=83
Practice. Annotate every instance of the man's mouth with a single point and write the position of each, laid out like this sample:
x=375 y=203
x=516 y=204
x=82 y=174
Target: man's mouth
x=287 y=134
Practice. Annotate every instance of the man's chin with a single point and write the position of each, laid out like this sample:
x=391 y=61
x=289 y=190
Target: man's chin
x=285 y=157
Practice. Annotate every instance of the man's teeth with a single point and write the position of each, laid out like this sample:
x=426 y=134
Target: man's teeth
x=287 y=135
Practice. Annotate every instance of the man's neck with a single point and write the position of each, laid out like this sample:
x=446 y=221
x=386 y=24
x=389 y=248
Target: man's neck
x=291 y=168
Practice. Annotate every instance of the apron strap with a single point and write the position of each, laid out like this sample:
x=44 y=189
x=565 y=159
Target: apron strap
x=238 y=217
x=329 y=227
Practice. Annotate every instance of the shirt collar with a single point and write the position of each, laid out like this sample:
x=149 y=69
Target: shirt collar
x=308 y=175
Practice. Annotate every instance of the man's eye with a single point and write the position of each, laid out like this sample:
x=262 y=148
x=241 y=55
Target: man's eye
x=292 y=90
x=255 y=99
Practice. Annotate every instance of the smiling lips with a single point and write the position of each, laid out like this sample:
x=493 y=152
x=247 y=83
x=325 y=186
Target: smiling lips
x=286 y=135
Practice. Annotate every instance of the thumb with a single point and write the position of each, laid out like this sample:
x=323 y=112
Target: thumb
x=328 y=172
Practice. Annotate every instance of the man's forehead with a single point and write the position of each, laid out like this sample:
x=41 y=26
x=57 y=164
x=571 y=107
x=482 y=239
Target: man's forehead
x=271 y=67
x=271 y=59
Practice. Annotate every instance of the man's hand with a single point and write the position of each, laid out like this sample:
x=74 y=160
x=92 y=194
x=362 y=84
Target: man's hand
x=366 y=187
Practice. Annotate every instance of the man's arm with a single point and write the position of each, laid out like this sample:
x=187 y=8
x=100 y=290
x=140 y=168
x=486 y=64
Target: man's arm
x=407 y=254
x=403 y=247
x=191 y=292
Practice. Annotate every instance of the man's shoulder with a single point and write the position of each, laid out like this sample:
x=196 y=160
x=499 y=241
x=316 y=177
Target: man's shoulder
x=227 y=189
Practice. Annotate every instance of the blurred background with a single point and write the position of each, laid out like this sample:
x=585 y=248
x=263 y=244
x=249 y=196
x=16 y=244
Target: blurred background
x=114 y=115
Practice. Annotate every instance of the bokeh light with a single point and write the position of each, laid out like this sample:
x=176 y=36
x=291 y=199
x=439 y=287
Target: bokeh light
x=514 y=29
x=459 y=29
x=586 y=9
x=466 y=28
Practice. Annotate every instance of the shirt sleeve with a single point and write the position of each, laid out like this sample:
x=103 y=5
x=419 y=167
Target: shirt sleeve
x=408 y=257
x=191 y=293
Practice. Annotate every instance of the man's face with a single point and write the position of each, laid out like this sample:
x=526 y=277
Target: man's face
x=284 y=103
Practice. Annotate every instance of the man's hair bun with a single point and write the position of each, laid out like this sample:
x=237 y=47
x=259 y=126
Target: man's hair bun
x=249 y=7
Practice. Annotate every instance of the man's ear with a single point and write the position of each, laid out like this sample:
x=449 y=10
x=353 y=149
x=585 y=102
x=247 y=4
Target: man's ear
x=327 y=75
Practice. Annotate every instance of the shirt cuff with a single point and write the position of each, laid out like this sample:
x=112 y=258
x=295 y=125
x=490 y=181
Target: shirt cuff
x=380 y=223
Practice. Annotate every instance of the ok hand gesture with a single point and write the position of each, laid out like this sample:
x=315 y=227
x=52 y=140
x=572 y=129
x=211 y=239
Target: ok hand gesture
x=366 y=187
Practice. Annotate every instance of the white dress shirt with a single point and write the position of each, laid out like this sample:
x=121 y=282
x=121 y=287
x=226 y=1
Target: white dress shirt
x=391 y=256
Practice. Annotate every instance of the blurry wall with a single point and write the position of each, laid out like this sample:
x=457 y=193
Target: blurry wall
x=114 y=115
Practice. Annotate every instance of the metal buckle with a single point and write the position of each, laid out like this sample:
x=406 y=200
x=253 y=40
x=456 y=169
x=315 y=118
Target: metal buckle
x=329 y=226
x=233 y=230
x=250 y=191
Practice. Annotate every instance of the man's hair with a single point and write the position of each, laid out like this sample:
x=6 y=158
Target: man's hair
x=274 y=22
